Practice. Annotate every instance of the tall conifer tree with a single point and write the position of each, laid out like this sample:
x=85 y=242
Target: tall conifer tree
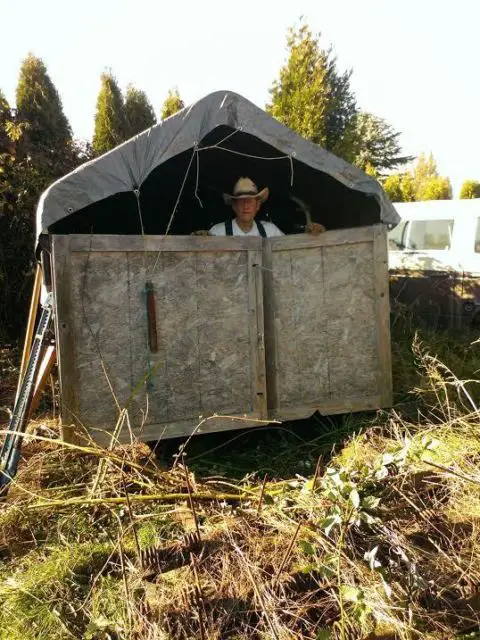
x=40 y=107
x=311 y=96
x=172 y=104
x=110 y=125
x=38 y=149
x=139 y=113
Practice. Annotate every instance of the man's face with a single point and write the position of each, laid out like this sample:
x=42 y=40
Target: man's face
x=246 y=208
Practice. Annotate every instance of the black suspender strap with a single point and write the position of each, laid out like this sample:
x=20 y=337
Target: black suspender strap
x=261 y=228
x=229 y=228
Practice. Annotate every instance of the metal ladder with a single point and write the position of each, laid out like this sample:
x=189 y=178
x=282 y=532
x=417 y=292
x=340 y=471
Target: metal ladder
x=10 y=452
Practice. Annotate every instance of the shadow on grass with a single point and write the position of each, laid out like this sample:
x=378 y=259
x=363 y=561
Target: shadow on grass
x=279 y=450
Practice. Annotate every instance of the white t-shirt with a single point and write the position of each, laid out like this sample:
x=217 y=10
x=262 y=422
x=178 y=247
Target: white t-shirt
x=271 y=229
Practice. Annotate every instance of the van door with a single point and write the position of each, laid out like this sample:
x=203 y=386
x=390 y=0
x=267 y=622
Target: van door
x=426 y=245
x=424 y=270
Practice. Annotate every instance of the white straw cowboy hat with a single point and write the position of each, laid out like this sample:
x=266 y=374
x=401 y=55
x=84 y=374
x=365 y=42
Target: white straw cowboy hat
x=245 y=188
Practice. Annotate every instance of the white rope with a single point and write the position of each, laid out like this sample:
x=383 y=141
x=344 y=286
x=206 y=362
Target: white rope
x=245 y=155
x=137 y=196
x=181 y=190
x=196 y=181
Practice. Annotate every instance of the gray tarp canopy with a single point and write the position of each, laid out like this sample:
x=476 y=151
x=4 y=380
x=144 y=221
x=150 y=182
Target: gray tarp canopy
x=172 y=176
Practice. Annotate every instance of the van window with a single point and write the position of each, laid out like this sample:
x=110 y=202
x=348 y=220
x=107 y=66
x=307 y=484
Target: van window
x=429 y=234
x=477 y=237
x=396 y=237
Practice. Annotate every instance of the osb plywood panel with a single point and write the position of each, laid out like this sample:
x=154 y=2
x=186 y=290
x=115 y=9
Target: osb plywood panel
x=300 y=322
x=328 y=341
x=207 y=359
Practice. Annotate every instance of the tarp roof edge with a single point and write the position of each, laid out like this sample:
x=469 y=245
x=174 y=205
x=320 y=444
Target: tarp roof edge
x=125 y=167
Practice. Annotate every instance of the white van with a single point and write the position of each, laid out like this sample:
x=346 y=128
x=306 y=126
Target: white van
x=434 y=261
x=436 y=235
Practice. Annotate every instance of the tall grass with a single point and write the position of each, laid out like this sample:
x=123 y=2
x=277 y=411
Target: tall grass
x=362 y=526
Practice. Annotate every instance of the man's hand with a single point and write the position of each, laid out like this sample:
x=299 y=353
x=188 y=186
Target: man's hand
x=315 y=229
x=200 y=232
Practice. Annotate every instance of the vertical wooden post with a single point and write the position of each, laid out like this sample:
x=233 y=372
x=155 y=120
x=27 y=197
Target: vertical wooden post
x=46 y=366
x=32 y=315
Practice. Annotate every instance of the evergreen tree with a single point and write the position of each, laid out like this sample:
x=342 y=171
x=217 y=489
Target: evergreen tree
x=376 y=144
x=139 y=113
x=310 y=96
x=469 y=190
x=110 y=125
x=341 y=112
x=40 y=107
x=172 y=104
x=36 y=148
x=6 y=123
x=20 y=185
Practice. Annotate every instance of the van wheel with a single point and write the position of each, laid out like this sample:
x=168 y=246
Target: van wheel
x=475 y=320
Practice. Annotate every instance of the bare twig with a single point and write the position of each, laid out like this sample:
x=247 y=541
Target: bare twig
x=257 y=592
x=287 y=553
x=453 y=472
x=262 y=492
x=190 y=500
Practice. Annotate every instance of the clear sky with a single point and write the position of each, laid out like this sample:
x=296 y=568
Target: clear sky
x=415 y=62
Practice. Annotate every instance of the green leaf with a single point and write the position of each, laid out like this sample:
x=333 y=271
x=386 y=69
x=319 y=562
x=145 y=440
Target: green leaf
x=351 y=594
x=330 y=522
x=381 y=473
x=371 y=558
x=354 y=498
x=386 y=587
x=308 y=568
x=367 y=518
x=324 y=634
x=430 y=444
x=331 y=495
x=306 y=547
x=326 y=570
x=387 y=458
x=370 y=502
x=336 y=479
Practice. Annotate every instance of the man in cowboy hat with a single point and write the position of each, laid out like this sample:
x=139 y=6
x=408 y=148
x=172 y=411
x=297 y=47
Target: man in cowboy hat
x=246 y=201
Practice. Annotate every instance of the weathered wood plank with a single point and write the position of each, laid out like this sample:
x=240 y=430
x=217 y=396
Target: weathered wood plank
x=181 y=428
x=380 y=252
x=351 y=325
x=330 y=238
x=257 y=333
x=99 y=298
x=65 y=333
x=328 y=408
x=322 y=323
x=300 y=322
x=147 y=244
x=269 y=319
